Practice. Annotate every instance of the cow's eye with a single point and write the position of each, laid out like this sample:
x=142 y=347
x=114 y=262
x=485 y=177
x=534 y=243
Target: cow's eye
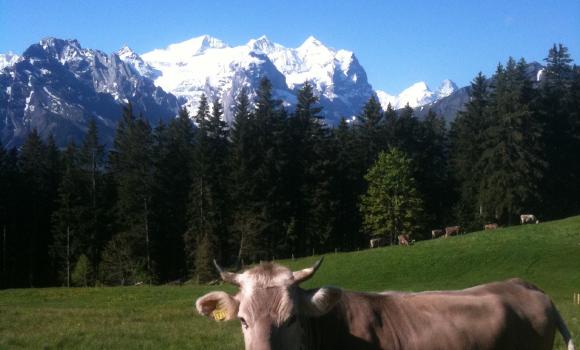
x=244 y=323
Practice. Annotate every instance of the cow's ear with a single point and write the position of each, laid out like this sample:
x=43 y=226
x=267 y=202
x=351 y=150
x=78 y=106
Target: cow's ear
x=218 y=306
x=317 y=302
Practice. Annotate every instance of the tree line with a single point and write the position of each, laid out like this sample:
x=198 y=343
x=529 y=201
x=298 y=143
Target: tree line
x=167 y=199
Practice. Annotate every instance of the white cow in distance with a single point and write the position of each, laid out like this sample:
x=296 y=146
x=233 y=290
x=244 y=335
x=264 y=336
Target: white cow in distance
x=528 y=219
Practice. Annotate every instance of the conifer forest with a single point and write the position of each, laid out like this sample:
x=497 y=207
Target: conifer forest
x=163 y=201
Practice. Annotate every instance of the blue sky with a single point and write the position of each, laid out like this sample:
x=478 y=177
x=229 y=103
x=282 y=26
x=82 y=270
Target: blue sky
x=397 y=42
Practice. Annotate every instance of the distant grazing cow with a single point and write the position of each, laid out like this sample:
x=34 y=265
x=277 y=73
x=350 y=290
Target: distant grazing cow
x=452 y=231
x=490 y=227
x=405 y=240
x=275 y=313
x=437 y=233
x=378 y=242
x=529 y=219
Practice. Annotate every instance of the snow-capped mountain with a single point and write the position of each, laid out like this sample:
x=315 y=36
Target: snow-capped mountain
x=8 y=59
x=417 y=95
x=57 y=86
x=208 y=65
x=136 y=62
x=450 y=105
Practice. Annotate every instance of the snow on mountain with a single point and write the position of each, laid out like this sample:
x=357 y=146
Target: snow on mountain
x=206 y=65
x=8 y=59
x=446 y=88
x=135 y=61
x=58 y=86
x=417 y=95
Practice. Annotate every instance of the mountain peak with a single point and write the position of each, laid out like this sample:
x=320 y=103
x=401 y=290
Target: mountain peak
x=59 y=44
x=196 y=46
x=446 y=88
x=261 y=44
x=8 y=59
x=418 y=86
x=126 y=51
x=311 y=41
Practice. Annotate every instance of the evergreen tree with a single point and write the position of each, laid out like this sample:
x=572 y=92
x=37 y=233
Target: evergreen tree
x=512 y=163
x=12 y=215
x=561 y=188
x=248 y=217
x=173 y=180
x=38 y=164
x=369 y=131
x=467 y=145
x=311 y=175
x=4 y=204
x=406 y=133
x=207 y=232
x=349 y=184
x=92 y=164
x=132 y=167
x=271 y=179
x=391 y=206
x=432 y=175
x=68 y=219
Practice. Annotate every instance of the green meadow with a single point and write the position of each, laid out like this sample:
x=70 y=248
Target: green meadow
x=163 y=317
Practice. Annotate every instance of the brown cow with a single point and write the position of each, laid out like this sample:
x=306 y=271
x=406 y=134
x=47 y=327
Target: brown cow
x=437 y=233
x=405 y=240
x=452 y=231
x=275 y=313
x=490 y=226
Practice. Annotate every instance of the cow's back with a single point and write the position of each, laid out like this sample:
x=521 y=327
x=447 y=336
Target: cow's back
x=504 y=315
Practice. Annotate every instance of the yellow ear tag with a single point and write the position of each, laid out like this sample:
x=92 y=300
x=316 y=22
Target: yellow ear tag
x=219 y=314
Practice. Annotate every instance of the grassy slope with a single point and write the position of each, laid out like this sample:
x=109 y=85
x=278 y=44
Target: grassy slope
x=162 y=317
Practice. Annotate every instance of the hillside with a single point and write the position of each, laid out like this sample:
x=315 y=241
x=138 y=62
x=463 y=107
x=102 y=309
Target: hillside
x=547 y=254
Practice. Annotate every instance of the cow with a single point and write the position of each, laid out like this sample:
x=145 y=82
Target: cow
x=437 y=233
x=528 y=218
x=490 y=226
x=405 y=240
x=452 y=231
x=275 y=313
x=378 y=242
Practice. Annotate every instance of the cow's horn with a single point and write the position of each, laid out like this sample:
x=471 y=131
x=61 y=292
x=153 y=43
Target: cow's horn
x=229 y=277
x=305 y=274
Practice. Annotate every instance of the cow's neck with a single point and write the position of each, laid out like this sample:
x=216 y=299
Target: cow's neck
x=343 y=328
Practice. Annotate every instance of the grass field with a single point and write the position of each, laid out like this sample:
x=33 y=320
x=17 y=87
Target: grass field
x=547 y=254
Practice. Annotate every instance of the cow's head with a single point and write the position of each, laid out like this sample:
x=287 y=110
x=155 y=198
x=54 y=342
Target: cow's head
x=270 y=304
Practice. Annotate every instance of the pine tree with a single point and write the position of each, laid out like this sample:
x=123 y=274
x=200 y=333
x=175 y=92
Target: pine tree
x=207 y=233
x=4 y=204
x=173 y=180
x=467 y=145
x=68 y=218
x=38 y=164
x=12 y=215
x=391 y=206
x=248 y=217
x=432 y=173
x=311 y=176
x=349 y=185
x=561 y=188
x=92 y=164
x=512 y=163
x=131 y=163
x=369 y=130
